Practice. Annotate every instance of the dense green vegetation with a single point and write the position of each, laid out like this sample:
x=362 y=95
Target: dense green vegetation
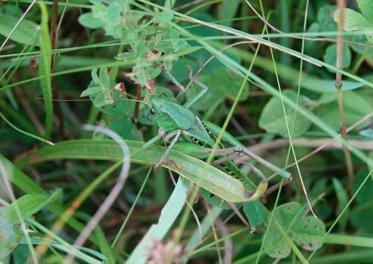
x=171 y=131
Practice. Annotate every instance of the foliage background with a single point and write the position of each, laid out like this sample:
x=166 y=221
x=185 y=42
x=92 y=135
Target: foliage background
x=107 y=54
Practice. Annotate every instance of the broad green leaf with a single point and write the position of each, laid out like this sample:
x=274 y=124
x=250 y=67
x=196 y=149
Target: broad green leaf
x=275 y=244
x=28 y=205
x=45 y=69
x=125 y=128
x=195 y=170
x=306 y=231
x=89 y=21
x=255 y=212
x=21 y=254
x=311 y=45
x=26 y=32
x=328 y=86
x=362 y=49
x=164 y=17
x=354 y=21
x=355 y=107
x=330 y=55
x=325 y=18
x=9 y=234
x=367 y=133
x=366 y=8
x=272 y=118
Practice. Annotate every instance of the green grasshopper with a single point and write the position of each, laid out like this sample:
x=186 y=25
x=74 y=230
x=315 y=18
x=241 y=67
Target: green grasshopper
x=182 y=129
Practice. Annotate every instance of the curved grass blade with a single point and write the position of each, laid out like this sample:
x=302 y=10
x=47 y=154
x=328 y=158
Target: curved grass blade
x=24 y=132
x=195 y=170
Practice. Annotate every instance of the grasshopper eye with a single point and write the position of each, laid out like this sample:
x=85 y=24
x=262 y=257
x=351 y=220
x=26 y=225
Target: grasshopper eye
x=152 y=111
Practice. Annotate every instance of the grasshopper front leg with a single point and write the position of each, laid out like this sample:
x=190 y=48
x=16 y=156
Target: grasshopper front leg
x=203 y=87
x=183 y=89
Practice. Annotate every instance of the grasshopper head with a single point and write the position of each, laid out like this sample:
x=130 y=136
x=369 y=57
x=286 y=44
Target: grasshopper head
x=156 y=104
x=155 y=107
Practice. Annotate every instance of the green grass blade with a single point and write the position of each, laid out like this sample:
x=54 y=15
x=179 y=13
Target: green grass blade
x=195 y=170
x=169 y=213
x=27 y=185
x=24 y=132
x=45 y=69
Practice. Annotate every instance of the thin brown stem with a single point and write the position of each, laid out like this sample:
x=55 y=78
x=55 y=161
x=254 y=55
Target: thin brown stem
x=137 y=104
x=338 y=84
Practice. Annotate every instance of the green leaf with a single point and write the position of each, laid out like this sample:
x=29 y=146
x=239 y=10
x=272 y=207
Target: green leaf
x=21 y=254
x=26 y=32
x=125 y=128
x=9 y=235
x=164 y=17
x=100 y=90
x=29 y=204
x=362 y=49
x=306 y=231
x=355 y=107
x=195 y=170
x=330 y=55
x=89 y=21
x=272 y=118
x=367 y=133
x=275 y=244
x=328 y=86
x=366 y=8
x=325 y=18
x=354 y=21
x=255 y=212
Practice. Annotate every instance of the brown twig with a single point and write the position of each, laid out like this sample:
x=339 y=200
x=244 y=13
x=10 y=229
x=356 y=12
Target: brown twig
x=338 y=84
x=137 y=103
